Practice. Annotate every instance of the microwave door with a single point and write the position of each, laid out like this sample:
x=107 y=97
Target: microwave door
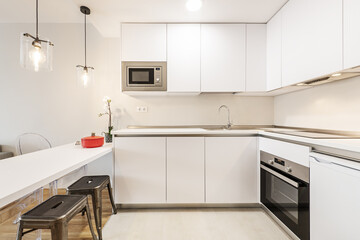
x=141 y=76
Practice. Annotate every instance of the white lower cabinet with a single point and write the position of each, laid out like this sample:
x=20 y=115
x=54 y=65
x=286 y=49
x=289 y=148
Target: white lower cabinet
x=231 y=170
x=140 y=170
x=334 y=200
x=185 y=170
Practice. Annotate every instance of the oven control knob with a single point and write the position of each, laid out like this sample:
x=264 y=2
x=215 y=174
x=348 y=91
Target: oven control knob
x=288 y=169
x=271 y=162
x=158 y=80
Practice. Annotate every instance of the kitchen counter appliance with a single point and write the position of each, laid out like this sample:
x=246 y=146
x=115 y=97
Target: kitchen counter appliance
x=144 y=76
x=285 y=192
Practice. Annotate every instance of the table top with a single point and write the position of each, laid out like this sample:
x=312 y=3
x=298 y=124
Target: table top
x=24 y=174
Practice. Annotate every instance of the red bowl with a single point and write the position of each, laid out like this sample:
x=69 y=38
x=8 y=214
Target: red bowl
x=92 y=142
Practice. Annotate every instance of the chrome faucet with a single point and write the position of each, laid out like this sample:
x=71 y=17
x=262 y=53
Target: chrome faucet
x=229 y=124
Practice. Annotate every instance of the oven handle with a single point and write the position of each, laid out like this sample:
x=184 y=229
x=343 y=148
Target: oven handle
x=282 y=177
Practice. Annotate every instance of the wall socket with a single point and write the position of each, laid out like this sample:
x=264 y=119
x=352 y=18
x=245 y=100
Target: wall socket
x=142 y=109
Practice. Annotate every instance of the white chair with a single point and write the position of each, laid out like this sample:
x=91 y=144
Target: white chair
x=31 y=142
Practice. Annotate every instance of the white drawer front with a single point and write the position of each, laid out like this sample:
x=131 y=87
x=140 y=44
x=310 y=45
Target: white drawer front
x=290 y=151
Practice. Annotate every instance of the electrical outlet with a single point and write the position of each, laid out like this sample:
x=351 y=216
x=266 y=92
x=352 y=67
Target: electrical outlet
x=142 y=109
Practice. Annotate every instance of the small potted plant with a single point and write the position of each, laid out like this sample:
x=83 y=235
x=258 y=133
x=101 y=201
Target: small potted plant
x=107 y=107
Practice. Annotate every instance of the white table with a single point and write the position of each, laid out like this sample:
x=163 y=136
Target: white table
x=24 y=174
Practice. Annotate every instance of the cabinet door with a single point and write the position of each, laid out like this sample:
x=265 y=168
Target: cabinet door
x=255 y=57
x=334 y=202
x=185 y=170
x=231 y=170
x=273 y=49
x=140 y=170
x=183 y=64
x=351 y=33
x=223 y=57
x=311 y=39
x=143 y=42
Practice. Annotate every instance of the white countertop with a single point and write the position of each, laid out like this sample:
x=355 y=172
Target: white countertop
x=24 y=174
x=343 y=144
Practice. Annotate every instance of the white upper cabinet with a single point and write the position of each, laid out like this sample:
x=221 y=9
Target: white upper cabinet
x=255 y=57
x=351 y=33
x=311 y=39
x=223 y=57
x=143 y=42
x=183 y=51
x=273 y=52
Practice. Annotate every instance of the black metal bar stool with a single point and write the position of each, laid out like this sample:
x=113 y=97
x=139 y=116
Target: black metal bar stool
x=93 y=185
x=55 y=214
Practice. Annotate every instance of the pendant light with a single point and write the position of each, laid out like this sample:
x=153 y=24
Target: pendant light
x=85 y=73
x=35 y=53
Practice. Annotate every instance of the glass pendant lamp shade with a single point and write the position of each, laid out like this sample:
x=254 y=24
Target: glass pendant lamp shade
x=35 y=53
x=85 y=74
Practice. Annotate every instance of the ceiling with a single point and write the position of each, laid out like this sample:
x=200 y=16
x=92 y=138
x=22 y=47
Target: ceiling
x=107 y=14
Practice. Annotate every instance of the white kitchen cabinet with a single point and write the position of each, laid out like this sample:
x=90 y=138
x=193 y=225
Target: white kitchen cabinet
x=273 y=52
x=140 y=170
x=143 y=42
x=223 y=57
x=351 y=33
x=183 y=57
x=185 y=170
x=255 y=57
x=334 y=199
x=231 y=170
x=311 y=39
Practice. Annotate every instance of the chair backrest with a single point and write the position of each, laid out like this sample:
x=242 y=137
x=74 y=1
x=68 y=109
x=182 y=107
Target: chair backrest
x=31 y=142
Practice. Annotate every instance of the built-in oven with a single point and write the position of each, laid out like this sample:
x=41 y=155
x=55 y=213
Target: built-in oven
x=285 y=192
x=144 y=76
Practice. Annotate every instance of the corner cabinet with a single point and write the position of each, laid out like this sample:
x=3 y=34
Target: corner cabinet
x=140 y=170
x=231 y=170
x=255 y=57
x=273 y=52
x=223 y=57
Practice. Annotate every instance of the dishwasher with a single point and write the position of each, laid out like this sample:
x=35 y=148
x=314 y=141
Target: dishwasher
x=334 y=197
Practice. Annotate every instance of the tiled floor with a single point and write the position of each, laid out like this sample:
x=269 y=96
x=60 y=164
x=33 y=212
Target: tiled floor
x=193 y=224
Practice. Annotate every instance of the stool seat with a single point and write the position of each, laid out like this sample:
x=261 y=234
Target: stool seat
x=93 y=185
x=89 y=183
x=55 y=214
x=56 y=208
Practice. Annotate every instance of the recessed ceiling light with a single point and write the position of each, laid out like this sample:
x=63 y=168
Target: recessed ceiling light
x=193 y=5
x=336 y=74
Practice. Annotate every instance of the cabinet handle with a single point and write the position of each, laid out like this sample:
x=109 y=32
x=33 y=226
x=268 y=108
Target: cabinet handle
x=322 y=161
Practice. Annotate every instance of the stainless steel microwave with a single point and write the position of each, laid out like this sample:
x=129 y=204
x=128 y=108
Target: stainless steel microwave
x=144 y=76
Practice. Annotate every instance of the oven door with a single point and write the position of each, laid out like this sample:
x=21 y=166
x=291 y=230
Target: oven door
x=287 y=198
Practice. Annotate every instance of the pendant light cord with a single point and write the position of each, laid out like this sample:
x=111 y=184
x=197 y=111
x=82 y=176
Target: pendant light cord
x=85 y=40
x=37 y=18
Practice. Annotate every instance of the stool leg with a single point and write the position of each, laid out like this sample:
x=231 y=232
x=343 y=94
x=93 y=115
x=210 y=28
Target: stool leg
x=88 y=215
x=96 y=199
x=19 y=233
x=111 y=199
x=59 y=231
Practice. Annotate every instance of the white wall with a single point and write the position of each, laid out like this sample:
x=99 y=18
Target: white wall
x=49 y=103
x=333 y=106
x=52 y=104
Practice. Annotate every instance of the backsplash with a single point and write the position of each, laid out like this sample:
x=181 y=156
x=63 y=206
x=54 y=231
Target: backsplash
x=334 y=106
